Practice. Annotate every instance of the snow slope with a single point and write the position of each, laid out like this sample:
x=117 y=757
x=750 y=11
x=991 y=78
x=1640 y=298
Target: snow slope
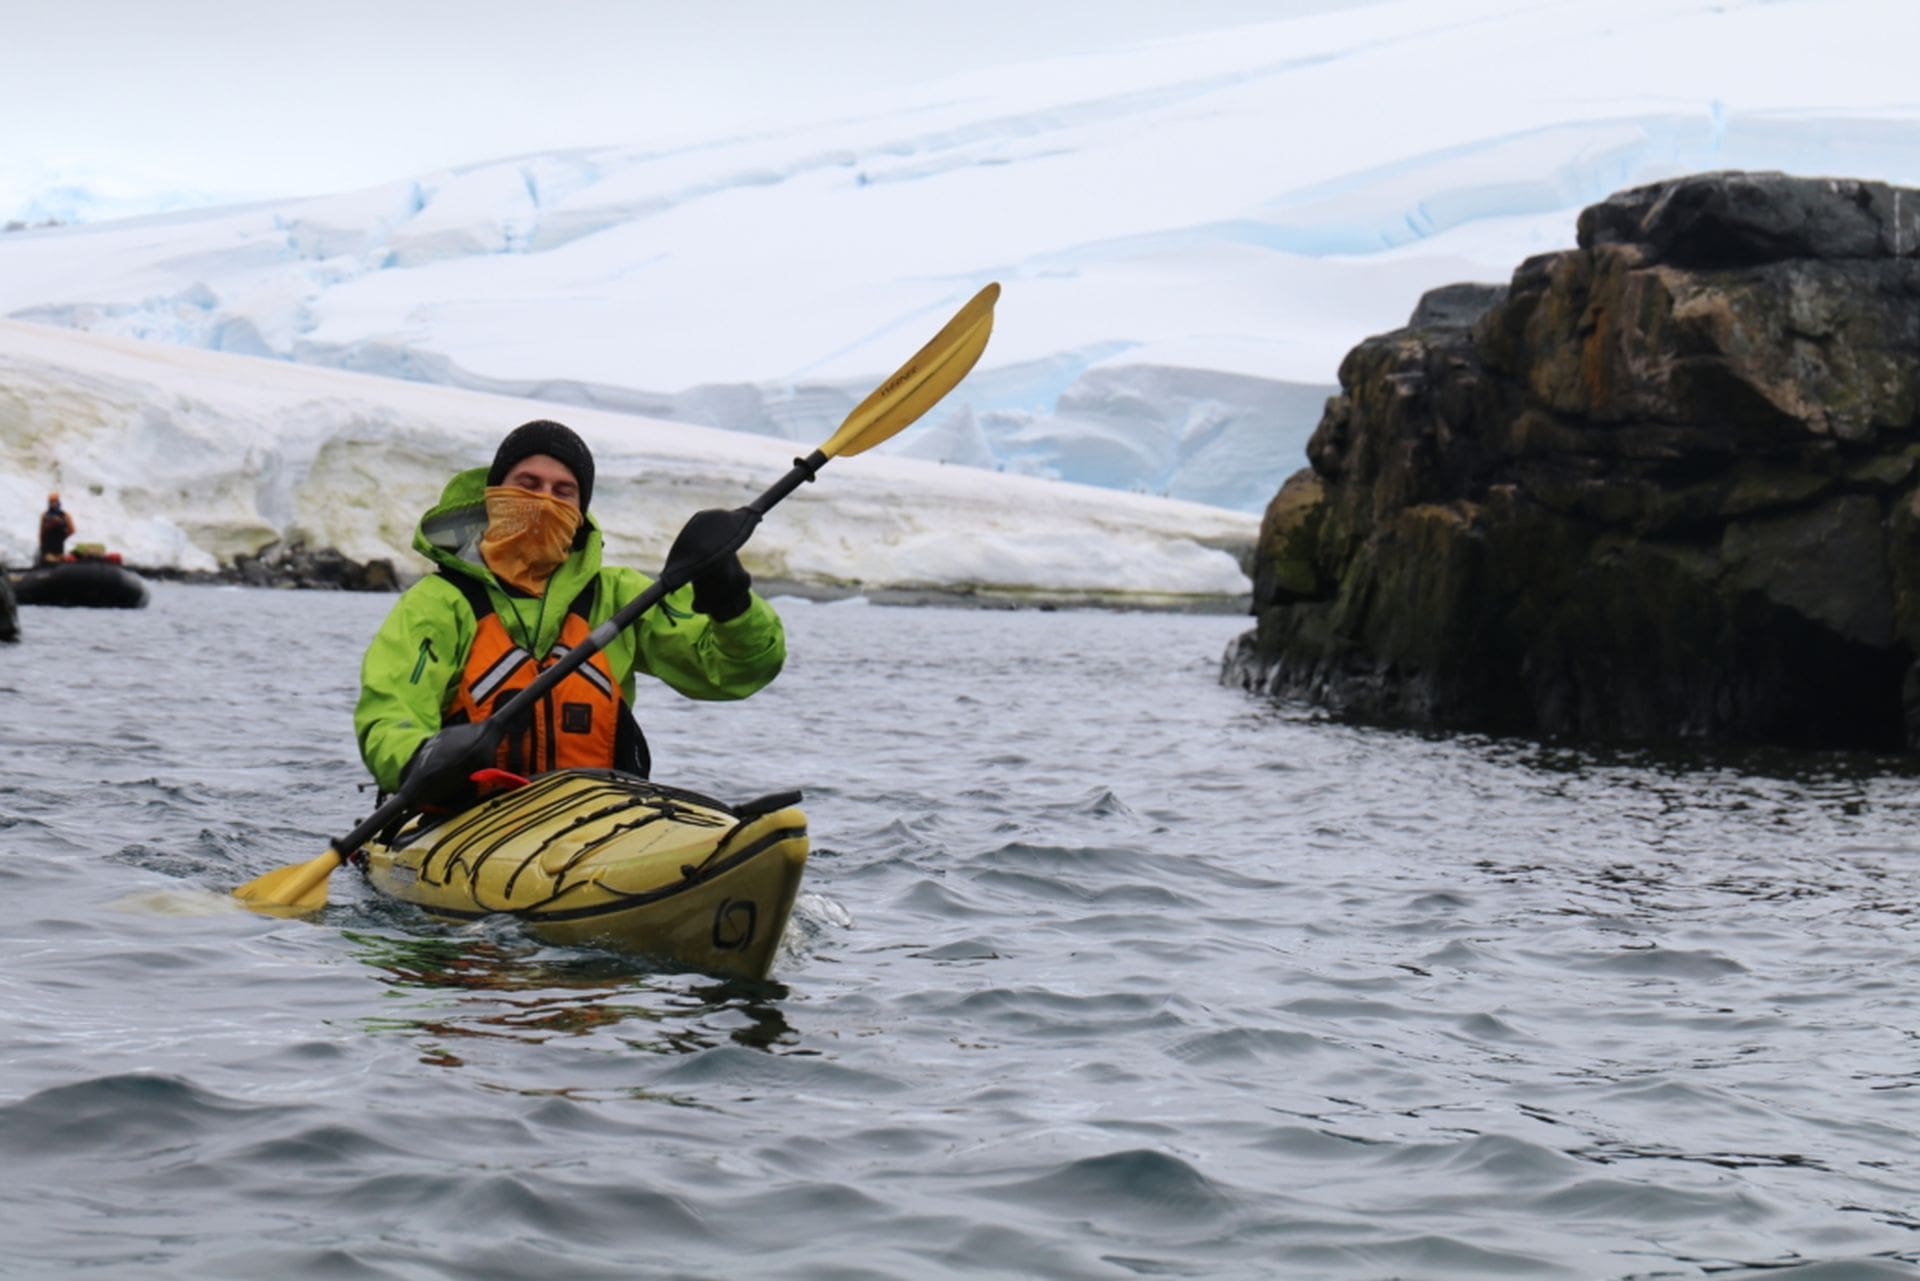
x=1191 y=233
x=184 y=457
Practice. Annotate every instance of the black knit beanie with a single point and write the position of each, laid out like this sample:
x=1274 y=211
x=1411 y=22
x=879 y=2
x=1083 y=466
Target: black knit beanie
x=552 y=439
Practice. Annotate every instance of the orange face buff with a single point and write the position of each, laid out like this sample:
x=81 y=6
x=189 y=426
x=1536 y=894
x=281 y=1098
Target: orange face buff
x=527 y=536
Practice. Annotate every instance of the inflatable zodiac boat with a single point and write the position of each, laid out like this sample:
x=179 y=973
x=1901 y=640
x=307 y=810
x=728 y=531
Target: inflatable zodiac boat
x=89 y=581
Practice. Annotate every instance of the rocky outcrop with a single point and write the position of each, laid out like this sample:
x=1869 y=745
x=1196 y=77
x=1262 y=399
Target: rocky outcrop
x=294 y=564
x=1661 y=486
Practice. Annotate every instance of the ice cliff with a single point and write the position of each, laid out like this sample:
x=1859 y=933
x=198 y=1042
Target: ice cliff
x=188 y=458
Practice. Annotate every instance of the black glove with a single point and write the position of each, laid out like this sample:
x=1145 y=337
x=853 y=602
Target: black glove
x=445 y=763
x=705 y=552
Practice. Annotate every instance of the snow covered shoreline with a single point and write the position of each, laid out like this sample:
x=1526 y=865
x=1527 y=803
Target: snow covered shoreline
x=783 y=591
x=187 y=459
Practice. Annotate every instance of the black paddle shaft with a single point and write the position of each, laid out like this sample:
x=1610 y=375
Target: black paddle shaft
x=670 y=580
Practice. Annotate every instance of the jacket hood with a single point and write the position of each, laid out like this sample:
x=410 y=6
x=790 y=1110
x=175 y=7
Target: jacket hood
x=449 y=536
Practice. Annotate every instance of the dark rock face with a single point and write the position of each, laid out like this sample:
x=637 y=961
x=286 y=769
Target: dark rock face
x=1662 y=486
x=9 y=614
x=294 y=565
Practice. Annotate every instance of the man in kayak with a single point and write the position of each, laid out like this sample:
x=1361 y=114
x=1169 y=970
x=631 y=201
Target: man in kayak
x=519 y=583
x=56 y=526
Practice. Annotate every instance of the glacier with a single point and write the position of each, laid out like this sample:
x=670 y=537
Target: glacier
x=1191 y=231
x=181 y=457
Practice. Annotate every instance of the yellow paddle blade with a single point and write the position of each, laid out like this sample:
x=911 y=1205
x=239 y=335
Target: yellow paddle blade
x=919 y=384
x=300 y=888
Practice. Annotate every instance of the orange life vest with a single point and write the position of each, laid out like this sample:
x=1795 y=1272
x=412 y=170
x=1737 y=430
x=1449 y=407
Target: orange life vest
x=581 y=723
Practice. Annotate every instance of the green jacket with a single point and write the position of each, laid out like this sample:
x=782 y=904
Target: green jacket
x=409 y=675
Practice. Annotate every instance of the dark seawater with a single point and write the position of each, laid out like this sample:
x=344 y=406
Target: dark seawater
x=1102 y=970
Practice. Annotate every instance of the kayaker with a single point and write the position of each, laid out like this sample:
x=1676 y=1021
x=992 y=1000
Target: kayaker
x=519 y=582
x=56 y=526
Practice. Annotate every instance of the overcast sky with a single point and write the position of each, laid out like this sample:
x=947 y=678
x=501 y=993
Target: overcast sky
x=239 y=97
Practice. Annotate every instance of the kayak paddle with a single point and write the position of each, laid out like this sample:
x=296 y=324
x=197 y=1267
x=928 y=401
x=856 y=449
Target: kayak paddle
x=909 y=392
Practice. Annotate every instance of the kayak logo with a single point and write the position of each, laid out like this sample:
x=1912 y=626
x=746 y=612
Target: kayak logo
x=734 y=922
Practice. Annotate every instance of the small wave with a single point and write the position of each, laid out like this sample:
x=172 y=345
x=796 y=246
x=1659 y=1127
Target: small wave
x=1349 y=1009
x=739 y=1068
x=940 y=899
x=1619 y=1200
x=1085 y=861
x=1047 y=1007
x=1429 y=1257
x=1484 y=1028
x=1245 y=1045
x=971 y=949
x=1891 y=1267
x=1662 y=962
x=125 y=1116
x=1503 y=1159
x=1460 y=955
x=328 y=1146
x=1439 y=901
x=1053 y=889
x=1122 y=1185
x=1313 y=1144
x=1101 y=803
x=570 y=1210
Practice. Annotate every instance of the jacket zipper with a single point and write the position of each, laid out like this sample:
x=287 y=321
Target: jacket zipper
x=420 y=664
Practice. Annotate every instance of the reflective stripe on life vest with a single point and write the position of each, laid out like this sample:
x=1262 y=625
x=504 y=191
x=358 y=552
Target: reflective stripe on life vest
x=588 y=669
x=510 y=662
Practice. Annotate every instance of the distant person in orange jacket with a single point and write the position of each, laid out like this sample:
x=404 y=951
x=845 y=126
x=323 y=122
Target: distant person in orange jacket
x=56 y=526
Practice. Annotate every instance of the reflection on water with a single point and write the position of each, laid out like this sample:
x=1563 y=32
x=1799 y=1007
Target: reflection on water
x=525 y=991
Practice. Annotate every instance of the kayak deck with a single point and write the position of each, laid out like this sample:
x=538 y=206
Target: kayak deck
x=598 y=858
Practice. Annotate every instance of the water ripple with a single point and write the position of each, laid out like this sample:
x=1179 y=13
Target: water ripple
x=1101 y=971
